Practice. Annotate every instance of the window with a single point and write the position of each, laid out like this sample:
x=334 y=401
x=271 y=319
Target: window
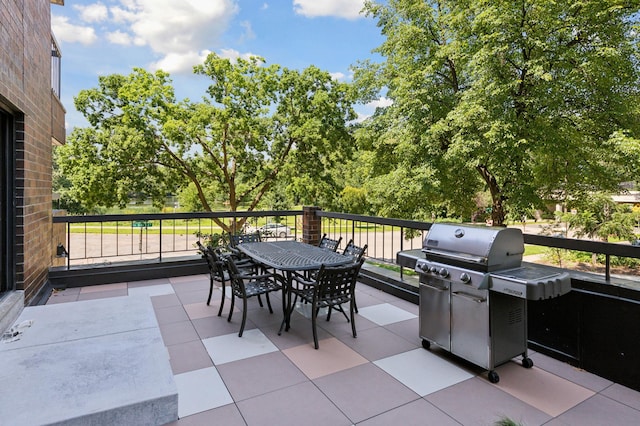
x=56 y=66
x=7 y=281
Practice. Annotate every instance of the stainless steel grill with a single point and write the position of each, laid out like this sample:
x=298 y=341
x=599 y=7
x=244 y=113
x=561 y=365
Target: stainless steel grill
x=474 y=291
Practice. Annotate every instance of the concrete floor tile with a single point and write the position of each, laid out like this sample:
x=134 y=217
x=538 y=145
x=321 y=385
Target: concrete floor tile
x=178 y=332
x=301 y=404
x=103 y=288
x=332 y=356
x=596 y=411
x=356 y=391
x=385 y=314
x=623 y=395
x=377 y=343
x=200 y=390
x=227 y=415
x=260 y=374
x=423 y=371
x=416 y=413
x=477 y=402
x=171 y=314
x=188 y=356
x=230 y=347
x=151 y=290
x=545 y=391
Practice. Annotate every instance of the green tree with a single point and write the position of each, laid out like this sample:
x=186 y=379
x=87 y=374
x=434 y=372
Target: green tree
x=256 y=122
x=527 y=99
x=62 y=186
x=598 y=216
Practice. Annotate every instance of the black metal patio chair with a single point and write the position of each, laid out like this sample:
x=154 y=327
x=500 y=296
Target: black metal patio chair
x=329 y=243
x=356 y=253
x=333 y=287
x=236 y=239
x=246 y=285
x=218 y=271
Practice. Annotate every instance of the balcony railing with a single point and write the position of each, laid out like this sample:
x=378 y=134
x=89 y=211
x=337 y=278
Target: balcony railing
x=56 y=66
x=105 y=239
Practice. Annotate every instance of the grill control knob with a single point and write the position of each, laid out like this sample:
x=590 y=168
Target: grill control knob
x=443 y=272
x=424 y=267
x=465 y=278
x=433 y=269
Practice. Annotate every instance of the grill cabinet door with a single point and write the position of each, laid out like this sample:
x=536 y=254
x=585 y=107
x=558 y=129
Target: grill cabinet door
x=470 y=324
x=435 y=322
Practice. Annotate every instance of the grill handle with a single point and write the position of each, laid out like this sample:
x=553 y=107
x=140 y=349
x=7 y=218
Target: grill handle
x=469 y=296
x=436 y=287
x=464 y=258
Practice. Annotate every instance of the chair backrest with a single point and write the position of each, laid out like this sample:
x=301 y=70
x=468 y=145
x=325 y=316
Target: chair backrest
x=329 y=244
x=354 y=252
x=336 y=284
x=235 y=278
x=214 y=262
x=237 y=239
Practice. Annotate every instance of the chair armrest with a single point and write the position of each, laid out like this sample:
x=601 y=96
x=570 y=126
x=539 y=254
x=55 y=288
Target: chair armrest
x=254 y=277
x=301 y=279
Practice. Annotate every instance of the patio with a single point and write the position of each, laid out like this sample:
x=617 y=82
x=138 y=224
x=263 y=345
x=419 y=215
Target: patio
x=382 y=377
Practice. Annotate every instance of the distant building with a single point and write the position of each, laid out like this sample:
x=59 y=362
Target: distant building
x=31 y=120
x=631 y=197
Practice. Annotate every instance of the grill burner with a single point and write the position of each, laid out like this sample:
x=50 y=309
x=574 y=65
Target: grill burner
x=474 y=292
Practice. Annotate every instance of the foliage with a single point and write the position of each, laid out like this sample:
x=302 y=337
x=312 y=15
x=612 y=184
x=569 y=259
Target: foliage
x=63 y=187
x=505 y=421
x=354 y=200
x=215 y=240
x=627 y=262
x=600 y=217
x=529 y=100
x=259 y=124
x=635 y=212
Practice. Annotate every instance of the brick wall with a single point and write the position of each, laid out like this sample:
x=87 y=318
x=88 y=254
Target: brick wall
x=25 y=92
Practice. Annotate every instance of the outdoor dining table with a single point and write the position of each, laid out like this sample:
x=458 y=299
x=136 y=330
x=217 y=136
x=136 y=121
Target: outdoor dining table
x=289 y=257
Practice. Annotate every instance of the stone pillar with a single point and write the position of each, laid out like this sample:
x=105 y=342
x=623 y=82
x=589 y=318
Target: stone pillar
x=311 y=226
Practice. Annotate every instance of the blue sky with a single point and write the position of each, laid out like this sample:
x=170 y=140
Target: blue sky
x=114 y=36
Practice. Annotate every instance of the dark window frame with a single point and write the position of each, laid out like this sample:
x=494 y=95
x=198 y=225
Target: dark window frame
x=7 y=205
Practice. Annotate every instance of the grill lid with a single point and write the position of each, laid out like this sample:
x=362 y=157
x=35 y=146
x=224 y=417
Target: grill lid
x=477 y=247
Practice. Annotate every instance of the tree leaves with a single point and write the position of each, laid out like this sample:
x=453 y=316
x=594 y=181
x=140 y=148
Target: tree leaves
x=258 y=123
x=523 y=99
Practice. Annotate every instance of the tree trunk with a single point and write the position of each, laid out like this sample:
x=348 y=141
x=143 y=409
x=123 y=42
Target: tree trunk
x=498 y=213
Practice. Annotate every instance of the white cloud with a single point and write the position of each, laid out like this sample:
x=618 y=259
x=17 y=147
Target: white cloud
x=265 y=6
x=179 y=62
x=349 y=9
x=337 y=76
x=65 y=31
x=96 y=12
x=179 y=31
x=380 y=103
x=234 y=54
x=121 y=15
x=119 y=37
x=366 y=111
x=361 y=117
x=248 y=31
